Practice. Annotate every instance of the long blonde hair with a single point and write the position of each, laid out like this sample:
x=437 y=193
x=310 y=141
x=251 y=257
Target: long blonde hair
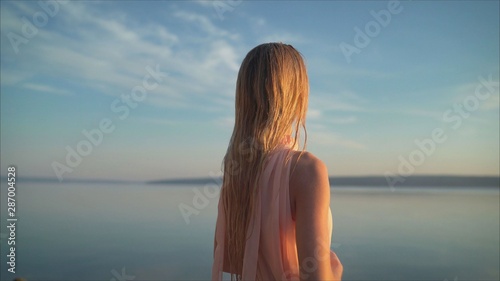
x=271 y=102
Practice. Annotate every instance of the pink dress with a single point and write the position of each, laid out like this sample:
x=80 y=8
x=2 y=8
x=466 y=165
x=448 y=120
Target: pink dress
x=270 y=251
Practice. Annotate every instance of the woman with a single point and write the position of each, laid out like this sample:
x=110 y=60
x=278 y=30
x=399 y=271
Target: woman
x=274 y=219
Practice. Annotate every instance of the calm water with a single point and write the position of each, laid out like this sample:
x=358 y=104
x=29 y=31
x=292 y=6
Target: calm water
x=99 y=232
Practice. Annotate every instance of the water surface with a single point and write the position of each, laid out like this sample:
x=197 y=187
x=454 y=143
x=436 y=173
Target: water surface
x=94 y=231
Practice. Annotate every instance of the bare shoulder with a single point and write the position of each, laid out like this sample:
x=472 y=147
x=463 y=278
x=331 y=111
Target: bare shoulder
x=307 y=167
x=308 y=173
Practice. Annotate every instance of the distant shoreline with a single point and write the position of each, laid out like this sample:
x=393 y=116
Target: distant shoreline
x=361 y=181
x=420 y=181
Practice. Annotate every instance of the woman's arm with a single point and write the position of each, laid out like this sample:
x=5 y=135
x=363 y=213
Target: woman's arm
x=310 y=189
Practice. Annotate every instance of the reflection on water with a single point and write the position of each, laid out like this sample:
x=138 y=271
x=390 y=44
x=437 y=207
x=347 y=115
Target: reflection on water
x=98 y=232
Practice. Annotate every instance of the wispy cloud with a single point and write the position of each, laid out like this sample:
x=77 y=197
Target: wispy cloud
x=444 y=98
x=46 y=89
x=343 y=120
x=345 y=101
x=467 y=90
x=225 y=122
x=205 y=24
x=436 y=115
x=326 y=138
x=12 y=77
x=313 y=114
x=110 y=54
x=156 y=121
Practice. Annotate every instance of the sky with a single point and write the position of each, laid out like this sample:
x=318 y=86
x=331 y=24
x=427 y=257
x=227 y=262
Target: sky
x=144 y=90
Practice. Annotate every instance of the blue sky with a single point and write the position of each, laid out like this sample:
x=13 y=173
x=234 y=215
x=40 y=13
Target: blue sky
x=366 y=111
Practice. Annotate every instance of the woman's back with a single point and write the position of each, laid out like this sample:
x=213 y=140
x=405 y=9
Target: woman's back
x=271 y=248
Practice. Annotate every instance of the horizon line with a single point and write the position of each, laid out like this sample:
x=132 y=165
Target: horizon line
x=418 y=179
